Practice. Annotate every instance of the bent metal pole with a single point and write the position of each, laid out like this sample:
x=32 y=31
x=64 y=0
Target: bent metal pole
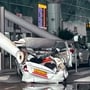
x=8 y=46
x=30 y=27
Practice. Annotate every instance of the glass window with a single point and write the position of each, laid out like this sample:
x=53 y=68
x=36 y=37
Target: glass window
x=60 y=45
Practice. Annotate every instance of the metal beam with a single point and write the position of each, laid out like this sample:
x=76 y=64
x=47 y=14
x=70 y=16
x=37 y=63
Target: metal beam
x=30 y=27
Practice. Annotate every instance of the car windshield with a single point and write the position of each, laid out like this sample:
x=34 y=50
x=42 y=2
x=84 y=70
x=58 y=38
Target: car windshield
x=60 y=45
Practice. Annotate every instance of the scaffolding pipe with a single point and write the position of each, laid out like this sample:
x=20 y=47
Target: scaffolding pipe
x=30 y=27
x=11 y=48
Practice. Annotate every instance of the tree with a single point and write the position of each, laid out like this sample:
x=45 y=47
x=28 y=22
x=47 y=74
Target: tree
x=66 y=34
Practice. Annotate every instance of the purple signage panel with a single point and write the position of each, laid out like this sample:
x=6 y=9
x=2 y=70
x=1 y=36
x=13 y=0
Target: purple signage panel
x=40 y=17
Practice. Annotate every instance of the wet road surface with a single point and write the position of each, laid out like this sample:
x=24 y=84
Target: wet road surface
x=76 y=81
x=29 y=86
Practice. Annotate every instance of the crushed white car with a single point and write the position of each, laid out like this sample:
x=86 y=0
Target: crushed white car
x=49 y=69
x=33 y=72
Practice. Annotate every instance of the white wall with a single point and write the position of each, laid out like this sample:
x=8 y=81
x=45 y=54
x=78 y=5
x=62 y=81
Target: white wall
x=81 y=27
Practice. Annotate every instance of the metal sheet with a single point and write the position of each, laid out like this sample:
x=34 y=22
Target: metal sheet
x=38 y=42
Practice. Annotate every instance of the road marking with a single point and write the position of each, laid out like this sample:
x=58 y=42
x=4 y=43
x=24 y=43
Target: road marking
x=4 y=77
x=85 y=79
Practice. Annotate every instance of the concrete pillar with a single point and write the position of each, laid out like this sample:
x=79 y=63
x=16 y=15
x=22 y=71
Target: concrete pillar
x=2 y=30
x=53 y=18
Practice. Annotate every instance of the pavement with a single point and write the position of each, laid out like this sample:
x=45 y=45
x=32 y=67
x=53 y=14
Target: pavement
x=81 y=76
x=9 y=77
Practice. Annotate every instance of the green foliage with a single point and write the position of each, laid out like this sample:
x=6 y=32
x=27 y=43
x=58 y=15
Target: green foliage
x=66 y=34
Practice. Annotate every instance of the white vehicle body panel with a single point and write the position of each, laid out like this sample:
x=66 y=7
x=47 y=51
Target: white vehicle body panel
x=52 y=76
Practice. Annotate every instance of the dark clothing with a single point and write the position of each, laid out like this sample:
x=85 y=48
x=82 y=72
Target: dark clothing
x=50 y=65
x=76 y=44
x=36 y=60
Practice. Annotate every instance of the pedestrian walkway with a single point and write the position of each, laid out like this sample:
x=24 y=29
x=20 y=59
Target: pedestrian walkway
x=9 y=77
x=5 y=77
